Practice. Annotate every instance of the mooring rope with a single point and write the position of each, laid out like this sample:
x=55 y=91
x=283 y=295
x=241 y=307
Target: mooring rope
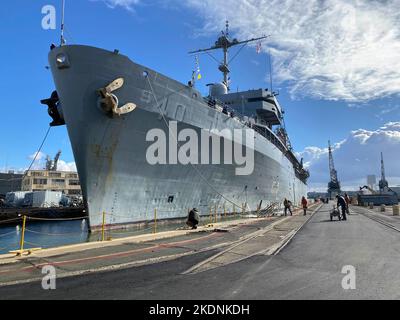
x=53 y=234
x=33 y=160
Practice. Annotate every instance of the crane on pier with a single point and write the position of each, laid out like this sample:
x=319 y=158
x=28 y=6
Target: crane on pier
x=383 y=184
x=334 y=184
x=51 y=165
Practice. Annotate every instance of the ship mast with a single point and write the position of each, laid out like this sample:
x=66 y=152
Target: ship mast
x=62 y=22
x=224 y=42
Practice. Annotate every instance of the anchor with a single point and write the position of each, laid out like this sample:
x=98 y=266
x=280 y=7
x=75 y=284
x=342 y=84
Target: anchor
x=109 y=101
x=54 y=109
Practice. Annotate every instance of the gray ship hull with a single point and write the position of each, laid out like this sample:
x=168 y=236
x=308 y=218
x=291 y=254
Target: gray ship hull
x=110 y=152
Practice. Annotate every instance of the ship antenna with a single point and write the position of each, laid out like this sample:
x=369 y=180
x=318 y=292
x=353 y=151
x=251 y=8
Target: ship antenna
x=62 y=22
x=224 y=43
x=270 y=69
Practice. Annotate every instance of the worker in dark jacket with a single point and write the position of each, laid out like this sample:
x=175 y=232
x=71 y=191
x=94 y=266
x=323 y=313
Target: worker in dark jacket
x=341 y=202
x=193 y=218
x=287 y=204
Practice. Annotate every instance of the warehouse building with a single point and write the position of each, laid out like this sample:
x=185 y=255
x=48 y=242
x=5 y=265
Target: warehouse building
x=42 y=180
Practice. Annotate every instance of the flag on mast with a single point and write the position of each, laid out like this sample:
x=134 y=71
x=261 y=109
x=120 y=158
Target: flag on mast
x=198 y=68
x=258 y=47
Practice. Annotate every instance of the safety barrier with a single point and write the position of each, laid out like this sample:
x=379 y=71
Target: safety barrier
x=216 y=213
x=24 y=246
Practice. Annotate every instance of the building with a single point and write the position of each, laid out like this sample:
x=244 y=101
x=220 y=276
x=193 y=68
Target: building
x=10 y=182
x=40 y=180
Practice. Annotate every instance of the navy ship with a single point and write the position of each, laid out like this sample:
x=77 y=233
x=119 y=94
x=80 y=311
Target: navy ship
x=113 y=107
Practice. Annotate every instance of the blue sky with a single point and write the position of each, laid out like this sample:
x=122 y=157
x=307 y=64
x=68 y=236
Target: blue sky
x=336 y=71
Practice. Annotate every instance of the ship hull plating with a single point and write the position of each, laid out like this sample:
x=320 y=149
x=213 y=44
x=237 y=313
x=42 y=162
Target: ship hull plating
x=110 y=152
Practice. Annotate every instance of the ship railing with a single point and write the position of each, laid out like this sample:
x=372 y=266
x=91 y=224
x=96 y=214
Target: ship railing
x=270 y=136
x=246 y=121
x=276 y=141
x=223 y=108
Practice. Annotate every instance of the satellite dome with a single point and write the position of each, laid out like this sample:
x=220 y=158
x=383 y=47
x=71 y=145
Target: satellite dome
x=218 y=89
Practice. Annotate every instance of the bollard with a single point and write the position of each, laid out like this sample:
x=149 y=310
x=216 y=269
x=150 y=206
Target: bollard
x=215 y=214
x=155 y=220
x=21 y=244
x=224 y=211
x=396 y=210
x=103 y=229
x=21 y=250
x=103 y=226
x=383 y=208
x=371 y=205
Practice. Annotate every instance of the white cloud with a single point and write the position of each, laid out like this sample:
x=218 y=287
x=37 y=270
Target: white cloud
x=127 y=4
x=40 y=159
x=66 y=166
x=37 y=156
x=356 y=157
x=333 y=49
x=40 y=163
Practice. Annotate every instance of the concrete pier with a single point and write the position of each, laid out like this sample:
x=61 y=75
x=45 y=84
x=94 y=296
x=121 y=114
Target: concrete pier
x=153 y=248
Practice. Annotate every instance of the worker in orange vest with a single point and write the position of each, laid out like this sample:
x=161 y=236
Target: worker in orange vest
x=304 y=203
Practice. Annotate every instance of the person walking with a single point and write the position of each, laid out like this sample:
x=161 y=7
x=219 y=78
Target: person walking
x=347 y=199
x=304 y=204
x=287 y=204
x=341 y=202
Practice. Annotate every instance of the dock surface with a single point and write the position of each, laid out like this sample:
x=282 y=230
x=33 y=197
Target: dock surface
x=272 y=258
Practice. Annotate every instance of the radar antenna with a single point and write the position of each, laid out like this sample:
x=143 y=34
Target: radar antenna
x=224 y=42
